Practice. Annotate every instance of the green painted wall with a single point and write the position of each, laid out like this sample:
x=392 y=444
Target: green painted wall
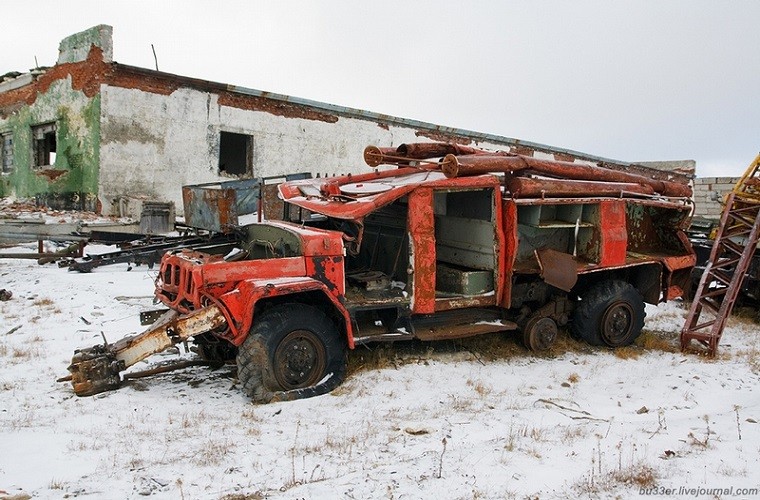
x=72 y=182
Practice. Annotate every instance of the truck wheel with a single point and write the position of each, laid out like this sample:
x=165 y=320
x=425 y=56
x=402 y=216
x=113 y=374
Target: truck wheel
x=539 y=334
x=293 y=351
x=610 y=313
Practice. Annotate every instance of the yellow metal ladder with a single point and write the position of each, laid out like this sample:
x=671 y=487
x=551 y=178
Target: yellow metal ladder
x=730 y=258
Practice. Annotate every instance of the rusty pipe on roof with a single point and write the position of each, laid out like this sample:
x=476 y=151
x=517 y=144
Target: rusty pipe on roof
x=425 y=150
x=526 y=187
x=375 y=156
x=455 y=166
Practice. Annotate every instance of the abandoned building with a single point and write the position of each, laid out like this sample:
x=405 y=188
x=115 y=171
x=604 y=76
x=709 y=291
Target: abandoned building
x=92 y=134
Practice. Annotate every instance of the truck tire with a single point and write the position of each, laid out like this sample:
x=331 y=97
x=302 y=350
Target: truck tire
x=610 y=313
x=293 y=351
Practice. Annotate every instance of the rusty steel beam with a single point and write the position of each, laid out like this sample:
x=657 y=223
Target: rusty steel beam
x=526 y=187
x=455 y=166
x=96 y=369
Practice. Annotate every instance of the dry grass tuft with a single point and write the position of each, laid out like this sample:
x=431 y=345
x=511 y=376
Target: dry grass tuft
x=374 y=357
x=21 y=354
x=748 y=316
x=254 y=428
x=753 y=358
x=256 y=495
x=484 y=348
x=479 y=387
x=570 y=434
x=628 y=352
x=213 y=452
x=653 y=340
x=565 y=343
x=492 y=347
x=639 y=475
x=573 y=378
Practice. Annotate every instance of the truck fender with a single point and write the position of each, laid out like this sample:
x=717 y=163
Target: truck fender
x=240 y=304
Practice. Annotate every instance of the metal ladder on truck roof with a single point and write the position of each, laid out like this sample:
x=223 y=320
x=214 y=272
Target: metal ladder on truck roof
x=730 y=258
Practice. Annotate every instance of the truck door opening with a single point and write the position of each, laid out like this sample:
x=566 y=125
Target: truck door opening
x=465 y=239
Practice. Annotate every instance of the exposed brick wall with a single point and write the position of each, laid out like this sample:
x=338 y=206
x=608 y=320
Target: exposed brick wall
x=709 y=193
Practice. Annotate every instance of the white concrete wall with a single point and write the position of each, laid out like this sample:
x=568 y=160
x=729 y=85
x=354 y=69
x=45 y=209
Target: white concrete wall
x=152 y=145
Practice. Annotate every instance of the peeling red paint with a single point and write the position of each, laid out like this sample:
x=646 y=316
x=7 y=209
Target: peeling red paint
x=614 y=233
x=423 y=239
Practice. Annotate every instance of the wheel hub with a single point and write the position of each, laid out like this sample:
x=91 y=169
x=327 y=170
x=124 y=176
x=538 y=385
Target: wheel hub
x=539 y=334
x=617 y=323
x=299 y=360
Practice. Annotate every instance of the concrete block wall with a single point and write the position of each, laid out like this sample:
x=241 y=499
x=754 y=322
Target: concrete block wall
x=709 y=193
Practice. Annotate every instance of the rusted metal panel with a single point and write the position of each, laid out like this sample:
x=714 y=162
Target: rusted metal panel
x=458 y=331
x=240 y=303
x=217 y=206
x=614 y=233
x=459 y=323
x=465 y=242
x=326 y=197
x=422 y=237
x=463 y=282
x=678 y=262
x=499 y=243
x=508 y=252
x=558 y=269
x=328 y=270
x=448 y=304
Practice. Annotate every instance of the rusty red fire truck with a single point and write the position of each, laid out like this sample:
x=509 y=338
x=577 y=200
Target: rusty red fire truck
x=448 y=242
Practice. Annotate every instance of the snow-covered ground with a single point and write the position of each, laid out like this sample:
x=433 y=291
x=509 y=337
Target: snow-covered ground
x=474 y=419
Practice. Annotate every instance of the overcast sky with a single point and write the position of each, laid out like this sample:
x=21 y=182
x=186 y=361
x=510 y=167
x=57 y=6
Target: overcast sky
x=636 y=80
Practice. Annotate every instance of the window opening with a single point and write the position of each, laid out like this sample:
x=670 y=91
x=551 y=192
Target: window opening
x=236 y=154
x=44 y=145
x=6 y=143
